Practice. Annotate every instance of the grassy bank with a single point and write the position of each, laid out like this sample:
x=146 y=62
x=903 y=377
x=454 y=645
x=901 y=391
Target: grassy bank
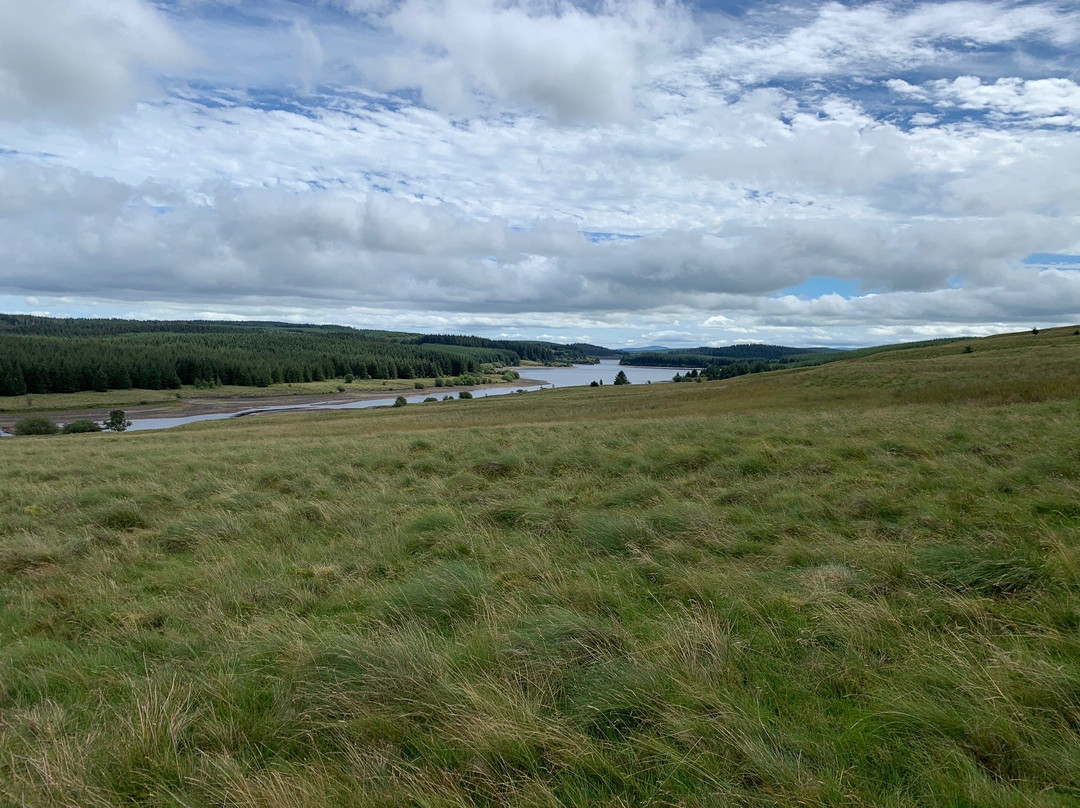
x=189 y=395
x=855 y=584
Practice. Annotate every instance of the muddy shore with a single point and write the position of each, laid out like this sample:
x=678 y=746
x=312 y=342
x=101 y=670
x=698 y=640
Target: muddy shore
x=196 y=403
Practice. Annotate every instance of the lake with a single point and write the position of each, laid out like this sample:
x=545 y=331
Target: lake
x=576 y=376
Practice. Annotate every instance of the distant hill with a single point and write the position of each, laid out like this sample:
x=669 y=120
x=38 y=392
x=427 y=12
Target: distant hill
x=67 y=355
x=706 y=356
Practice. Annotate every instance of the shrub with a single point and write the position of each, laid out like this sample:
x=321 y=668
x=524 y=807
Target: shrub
x=447 y=398
x=511 y=375
x=35 y=425
x=117 y=422
x=620 y=378
x=968 y=349
x=430 y=398
x=349 y=378
x=81 y=426
x=464 y=394
x=418 y=385
x=400 y=401
x=341 y=388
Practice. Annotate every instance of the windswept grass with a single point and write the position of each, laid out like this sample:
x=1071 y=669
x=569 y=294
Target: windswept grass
x=854 y=584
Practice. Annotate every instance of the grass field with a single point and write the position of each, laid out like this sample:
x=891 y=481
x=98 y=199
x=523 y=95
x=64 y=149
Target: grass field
x=855 y=584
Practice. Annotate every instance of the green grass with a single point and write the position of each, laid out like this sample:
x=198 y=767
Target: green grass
x=188 y=394
x=854 y=584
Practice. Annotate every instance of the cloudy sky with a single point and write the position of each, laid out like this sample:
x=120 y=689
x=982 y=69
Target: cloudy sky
x=633 y=172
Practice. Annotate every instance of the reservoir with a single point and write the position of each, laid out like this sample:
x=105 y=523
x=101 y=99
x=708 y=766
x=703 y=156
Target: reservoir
x=575 y=376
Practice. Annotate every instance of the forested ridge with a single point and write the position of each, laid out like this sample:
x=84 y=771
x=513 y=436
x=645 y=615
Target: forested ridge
x=581 y=352
x=53 y=355
x=704 y=357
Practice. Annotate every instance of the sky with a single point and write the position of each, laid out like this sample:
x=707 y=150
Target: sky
x=623 y=173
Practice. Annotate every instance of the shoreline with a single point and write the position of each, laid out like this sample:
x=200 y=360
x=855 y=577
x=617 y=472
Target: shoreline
x=184 y=408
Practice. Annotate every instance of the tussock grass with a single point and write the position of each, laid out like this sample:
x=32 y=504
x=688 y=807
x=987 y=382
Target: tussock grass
x=853 y=584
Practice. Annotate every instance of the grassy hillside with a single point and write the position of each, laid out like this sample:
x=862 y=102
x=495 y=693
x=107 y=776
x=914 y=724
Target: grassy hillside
x=855 y=584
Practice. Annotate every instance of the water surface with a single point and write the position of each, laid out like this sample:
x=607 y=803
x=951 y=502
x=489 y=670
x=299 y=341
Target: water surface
x=576 y=376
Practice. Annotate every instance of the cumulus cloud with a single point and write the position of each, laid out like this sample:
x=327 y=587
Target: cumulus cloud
x=1049 y=101
x=77 y=61
x=60 y=227
x=576 y=64
x=685 y=198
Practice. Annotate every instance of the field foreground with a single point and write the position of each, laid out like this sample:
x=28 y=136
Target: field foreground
x=855 y=584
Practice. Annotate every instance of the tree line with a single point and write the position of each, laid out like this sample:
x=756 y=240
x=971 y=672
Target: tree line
x=781 y=355
x=579 y=352
x=73 y=356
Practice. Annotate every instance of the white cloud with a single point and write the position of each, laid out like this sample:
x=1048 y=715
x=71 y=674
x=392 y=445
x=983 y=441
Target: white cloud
x=78 y=61
x=882 y=36
x=310 y=54
x=1050 y=101
x=683 y=199
x=577 y=65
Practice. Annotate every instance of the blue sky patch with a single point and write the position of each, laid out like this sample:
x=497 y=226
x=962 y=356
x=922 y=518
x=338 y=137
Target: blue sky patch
x=820 y=285
x=1053 y=259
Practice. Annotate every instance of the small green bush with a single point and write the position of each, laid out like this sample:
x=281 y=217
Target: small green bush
x=430 y=398
x=35 y=425
x=349 y=378
x=118 y=421
x=418 y=385
x=464 y=394
x=400 y=401
x=81 y=426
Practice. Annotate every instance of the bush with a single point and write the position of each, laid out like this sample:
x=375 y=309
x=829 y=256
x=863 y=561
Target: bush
x=349 y=378
x=464 y=394
x=400 y=401
x=447 y=398
x=35 y=425
x=418 y=385
x=341 y=388
x=117 y=422
x=620 y=378
x=430 y=398
x=81 y=426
